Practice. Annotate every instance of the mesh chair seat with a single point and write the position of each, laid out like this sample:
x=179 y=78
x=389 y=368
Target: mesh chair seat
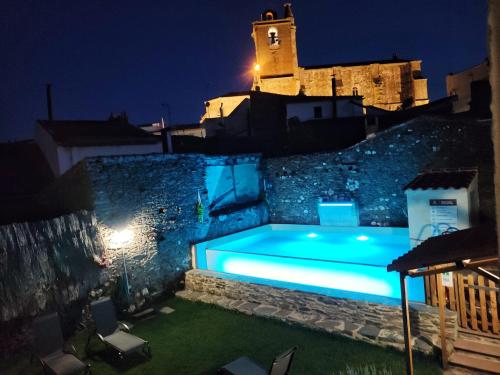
x=63 y=363
x=243 y=366
x=48 y=346
x=124 y=342
x=106 y=326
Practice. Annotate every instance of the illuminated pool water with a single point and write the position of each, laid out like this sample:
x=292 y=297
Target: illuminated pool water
x=345 y=262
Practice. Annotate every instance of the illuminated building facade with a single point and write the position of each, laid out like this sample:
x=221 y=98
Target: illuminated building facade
x=389 y=84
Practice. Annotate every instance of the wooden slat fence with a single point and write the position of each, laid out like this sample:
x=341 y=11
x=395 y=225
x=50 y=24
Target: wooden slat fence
x=474 y=297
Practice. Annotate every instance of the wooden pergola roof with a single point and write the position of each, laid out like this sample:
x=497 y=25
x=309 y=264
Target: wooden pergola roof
x=443 y=179
x=468 y=248
x=462 y=247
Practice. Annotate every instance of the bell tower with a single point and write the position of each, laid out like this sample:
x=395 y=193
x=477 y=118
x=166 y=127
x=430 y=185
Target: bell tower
x=276 y=65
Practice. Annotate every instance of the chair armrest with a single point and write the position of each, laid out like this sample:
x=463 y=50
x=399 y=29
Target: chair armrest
x=124 y=327
x=70 y=349
x=101 y=337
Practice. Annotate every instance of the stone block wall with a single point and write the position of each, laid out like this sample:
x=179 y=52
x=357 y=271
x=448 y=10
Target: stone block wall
x=154 y=197
x=48 y=263
x=59 y=260
x=374 y=172
x=371 y=322
x=390 y=85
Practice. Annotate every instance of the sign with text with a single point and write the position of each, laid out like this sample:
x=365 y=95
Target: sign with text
x=443 y=202
x=444 y=213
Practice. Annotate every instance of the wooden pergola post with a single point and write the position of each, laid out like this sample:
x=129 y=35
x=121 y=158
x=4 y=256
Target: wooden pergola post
x=406 y=324
x=442 y=319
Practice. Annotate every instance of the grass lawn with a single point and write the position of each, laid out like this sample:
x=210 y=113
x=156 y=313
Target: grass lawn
x=198 y=338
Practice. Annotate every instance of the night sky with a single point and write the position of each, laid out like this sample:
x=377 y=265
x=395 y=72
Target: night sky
x=144 y=56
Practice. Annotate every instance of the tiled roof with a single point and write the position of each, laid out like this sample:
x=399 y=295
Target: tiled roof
x=96 y=133
x=446 y=179
x=473 y=243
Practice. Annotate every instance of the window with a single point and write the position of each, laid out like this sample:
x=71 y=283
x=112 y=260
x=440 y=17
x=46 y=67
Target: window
x=272 y=35
x=355 y=91
x=318 y=112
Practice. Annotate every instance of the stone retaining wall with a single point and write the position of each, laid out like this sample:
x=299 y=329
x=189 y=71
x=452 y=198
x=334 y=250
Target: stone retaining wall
x=372 y=322
x=374 y=172
x=48 y=263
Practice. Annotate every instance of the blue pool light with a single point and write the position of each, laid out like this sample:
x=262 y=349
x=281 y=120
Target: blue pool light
x=340 y=276
x=362 y=238
x=312 y=235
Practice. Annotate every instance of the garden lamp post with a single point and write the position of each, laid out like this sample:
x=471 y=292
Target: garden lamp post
x=118 y=240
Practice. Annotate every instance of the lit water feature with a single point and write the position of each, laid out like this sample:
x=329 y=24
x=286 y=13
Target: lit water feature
x=347 y=262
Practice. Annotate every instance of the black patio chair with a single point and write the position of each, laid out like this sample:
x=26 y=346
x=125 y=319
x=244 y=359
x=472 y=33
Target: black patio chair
x=245 y=366
x=114 y=334
x=49 y=347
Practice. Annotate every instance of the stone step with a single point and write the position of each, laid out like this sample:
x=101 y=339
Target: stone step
x=477 y=347
x=475 y=362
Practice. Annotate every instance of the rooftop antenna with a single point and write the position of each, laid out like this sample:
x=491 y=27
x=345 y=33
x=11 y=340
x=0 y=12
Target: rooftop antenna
x=48 y=88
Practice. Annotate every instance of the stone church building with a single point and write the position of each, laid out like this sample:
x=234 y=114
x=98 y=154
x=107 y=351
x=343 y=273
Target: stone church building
x=389 y=84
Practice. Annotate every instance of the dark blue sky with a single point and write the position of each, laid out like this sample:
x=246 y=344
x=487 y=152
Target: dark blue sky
x=113 y=56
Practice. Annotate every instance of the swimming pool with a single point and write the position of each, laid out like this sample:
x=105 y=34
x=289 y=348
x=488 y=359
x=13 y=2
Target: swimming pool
x=337 y=261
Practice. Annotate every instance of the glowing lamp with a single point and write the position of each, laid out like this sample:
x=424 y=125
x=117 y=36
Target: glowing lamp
x=256 y=67
x=312 y=235
x=362 y=238
x=120 y=238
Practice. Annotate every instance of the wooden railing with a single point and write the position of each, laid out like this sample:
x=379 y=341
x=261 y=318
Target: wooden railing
x=474 y=297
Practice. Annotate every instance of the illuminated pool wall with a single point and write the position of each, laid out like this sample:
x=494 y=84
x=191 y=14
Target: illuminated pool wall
x=368 y=282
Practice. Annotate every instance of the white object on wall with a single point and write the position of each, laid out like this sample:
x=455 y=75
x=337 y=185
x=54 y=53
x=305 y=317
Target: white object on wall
x=435 y=211
x=339 y=214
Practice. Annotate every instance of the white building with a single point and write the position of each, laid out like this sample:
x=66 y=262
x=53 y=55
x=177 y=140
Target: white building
x=65 y=143
x=441 y=202
x=307 y=108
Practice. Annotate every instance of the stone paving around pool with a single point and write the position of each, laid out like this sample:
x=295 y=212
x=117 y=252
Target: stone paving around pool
x=371 y=322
